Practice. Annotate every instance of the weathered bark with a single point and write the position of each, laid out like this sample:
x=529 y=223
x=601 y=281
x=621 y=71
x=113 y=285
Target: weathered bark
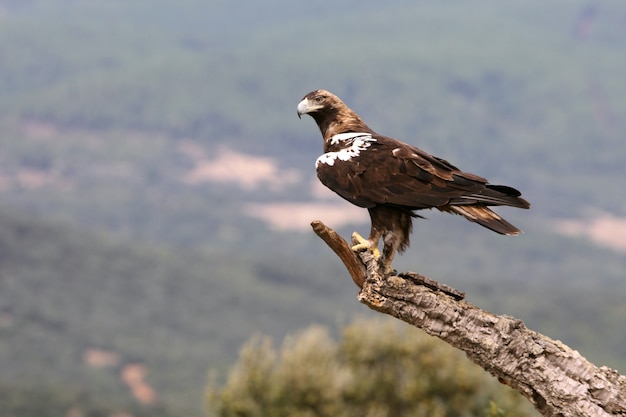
x=555 y=378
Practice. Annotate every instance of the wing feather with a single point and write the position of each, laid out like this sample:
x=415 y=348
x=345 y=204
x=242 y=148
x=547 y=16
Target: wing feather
x=392 y=172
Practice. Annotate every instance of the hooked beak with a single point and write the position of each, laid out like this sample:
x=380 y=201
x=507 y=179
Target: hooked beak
x=303 y=107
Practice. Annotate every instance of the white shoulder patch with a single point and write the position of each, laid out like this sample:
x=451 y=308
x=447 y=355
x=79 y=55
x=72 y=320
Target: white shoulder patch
x=341 y=137
x=358 y=143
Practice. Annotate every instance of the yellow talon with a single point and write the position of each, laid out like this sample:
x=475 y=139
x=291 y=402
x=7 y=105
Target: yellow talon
x=364 y=244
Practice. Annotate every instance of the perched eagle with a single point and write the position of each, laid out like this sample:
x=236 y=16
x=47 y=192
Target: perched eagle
x=393 y=179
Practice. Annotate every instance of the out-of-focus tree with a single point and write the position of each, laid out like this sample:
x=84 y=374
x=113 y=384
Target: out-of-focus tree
x=376 y=369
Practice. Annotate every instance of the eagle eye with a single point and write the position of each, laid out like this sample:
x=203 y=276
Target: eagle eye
x=319 y=99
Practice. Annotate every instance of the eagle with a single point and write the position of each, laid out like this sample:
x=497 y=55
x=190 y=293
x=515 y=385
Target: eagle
x=393 y=180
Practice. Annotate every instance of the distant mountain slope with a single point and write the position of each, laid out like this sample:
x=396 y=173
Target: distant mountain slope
x=524 y=94
x=81 y=310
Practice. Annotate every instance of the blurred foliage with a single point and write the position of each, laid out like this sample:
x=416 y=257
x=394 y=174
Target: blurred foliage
x=376 y=369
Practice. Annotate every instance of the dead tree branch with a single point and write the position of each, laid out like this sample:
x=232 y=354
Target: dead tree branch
x=555 y=378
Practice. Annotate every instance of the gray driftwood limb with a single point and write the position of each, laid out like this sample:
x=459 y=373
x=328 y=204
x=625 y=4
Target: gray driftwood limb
x=556 y=379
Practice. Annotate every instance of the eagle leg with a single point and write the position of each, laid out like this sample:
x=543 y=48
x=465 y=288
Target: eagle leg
x=365 y=244
x=390 y=247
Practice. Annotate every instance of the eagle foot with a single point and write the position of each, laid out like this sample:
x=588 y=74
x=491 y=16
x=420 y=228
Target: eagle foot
x=364 y=244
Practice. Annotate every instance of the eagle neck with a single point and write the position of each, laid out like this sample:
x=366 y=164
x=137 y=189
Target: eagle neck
x=341 y=121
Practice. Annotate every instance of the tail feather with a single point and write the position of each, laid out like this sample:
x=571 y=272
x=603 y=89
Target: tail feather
x=485 y=217
x=493 y=195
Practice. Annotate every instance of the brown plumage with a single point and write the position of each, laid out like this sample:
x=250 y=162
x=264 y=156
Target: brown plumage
x=393 y=179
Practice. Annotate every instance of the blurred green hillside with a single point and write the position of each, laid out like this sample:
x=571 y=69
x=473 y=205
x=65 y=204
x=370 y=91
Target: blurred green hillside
x=120 y=233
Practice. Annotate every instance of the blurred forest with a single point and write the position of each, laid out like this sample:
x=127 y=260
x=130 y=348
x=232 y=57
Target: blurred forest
x=151 y=149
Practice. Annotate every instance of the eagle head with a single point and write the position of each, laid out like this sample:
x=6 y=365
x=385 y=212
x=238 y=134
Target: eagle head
x=331 y=114
x=318 y=101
